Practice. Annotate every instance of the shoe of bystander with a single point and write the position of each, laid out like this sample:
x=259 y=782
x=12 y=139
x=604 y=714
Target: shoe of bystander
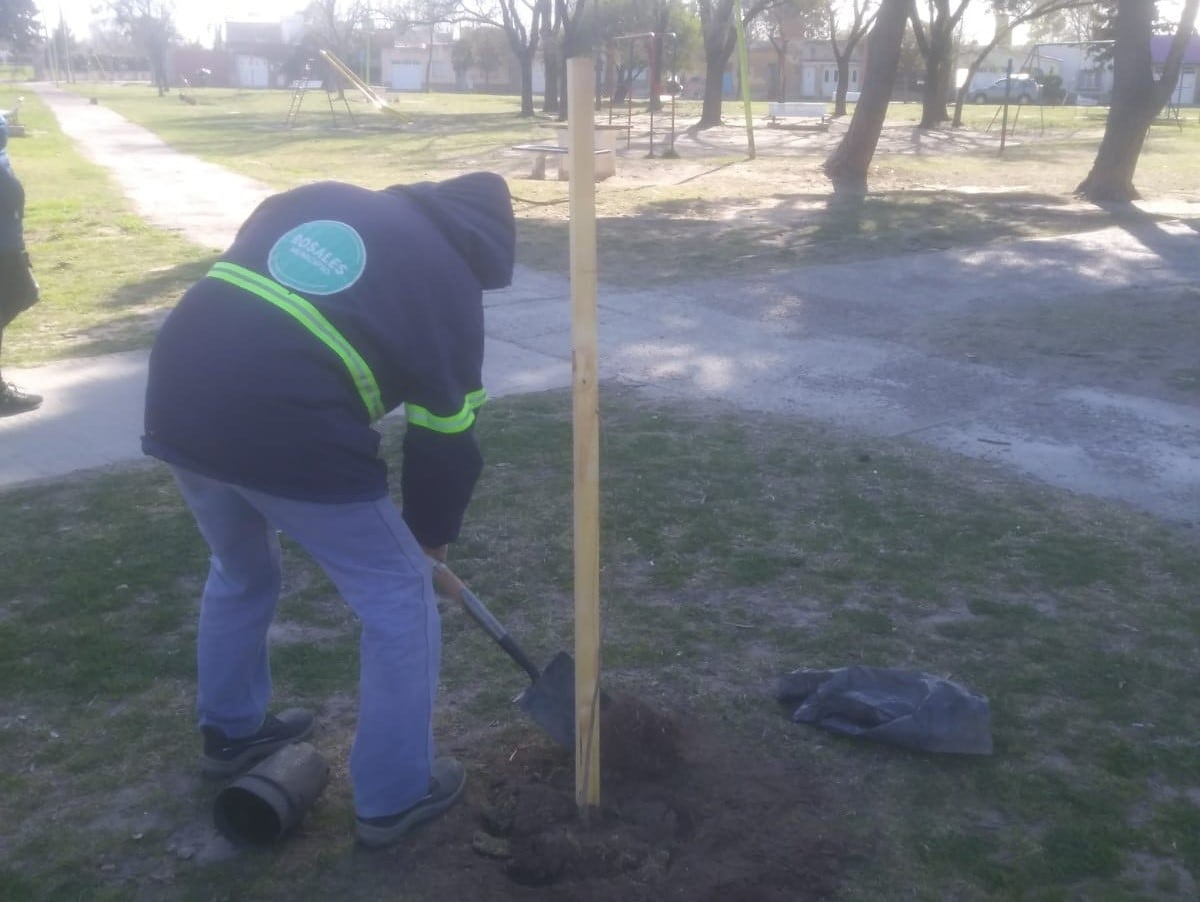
x=14 y=401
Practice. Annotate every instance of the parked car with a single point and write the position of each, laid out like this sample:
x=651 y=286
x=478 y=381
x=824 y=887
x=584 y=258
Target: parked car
x=1024 y=89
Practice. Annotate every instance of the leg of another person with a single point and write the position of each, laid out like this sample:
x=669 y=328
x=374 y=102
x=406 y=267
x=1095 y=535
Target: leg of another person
x=17 y=293
x=12 y=399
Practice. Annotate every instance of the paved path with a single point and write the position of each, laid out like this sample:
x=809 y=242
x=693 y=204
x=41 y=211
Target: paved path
x=827 y=342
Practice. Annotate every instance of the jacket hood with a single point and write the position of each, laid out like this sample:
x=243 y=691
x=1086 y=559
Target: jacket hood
x=474 y=212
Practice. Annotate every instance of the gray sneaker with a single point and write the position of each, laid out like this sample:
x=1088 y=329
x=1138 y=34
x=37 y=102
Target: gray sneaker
x=446 y=785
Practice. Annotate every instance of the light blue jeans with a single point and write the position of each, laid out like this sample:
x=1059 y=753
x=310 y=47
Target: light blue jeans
x=369 y=553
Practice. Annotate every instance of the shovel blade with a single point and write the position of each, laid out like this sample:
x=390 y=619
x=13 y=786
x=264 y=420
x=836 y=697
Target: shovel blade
x=550 y=700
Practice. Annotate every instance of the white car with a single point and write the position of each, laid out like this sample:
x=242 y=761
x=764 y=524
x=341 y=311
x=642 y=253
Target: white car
x=1023 y=90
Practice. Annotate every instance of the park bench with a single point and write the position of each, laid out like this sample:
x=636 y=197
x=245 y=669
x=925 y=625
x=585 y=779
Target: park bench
x=813 y=113
x=605 y=166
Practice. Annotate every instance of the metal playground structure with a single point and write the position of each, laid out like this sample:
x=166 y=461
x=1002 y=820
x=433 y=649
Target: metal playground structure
x=306 y=81
x=654 y=47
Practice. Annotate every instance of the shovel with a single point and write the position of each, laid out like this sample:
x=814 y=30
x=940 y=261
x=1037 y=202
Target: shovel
x=550 y=697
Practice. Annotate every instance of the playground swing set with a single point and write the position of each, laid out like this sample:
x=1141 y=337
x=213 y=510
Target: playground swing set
x=306 y=82
x=653 y=43
x=1038 y=61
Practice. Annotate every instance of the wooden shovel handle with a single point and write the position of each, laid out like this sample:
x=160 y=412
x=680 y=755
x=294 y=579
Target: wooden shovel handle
x=444 y=580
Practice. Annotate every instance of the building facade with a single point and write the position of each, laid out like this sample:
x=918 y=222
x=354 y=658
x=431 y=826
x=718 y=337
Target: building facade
x=802 y=70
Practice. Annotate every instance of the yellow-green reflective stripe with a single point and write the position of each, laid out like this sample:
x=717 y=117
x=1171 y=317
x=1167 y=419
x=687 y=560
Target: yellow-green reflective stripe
x=312 y=319
x=459 y=422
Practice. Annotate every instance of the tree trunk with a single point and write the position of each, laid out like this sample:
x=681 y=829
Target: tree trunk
x=1137 y=98
x=623 y=87
x=552 y=69
x=428 y=64
x=160 y=73
x=839 y=96
x=562 y=93
x=714 y=88
x=1111 y=177
x=937 y=77
x=961 y=96
x=655 y=74
x=847 y=166
x=781 y=62
x=526 y=60
x=662 y=28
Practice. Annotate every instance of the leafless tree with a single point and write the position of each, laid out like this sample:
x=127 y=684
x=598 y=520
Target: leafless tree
x=335 y=26
x=671 y=23
x=862 y=18
x=150 y=24
x=484 y=48
x=405 y=15
x=522 y=22
x=1072 y=24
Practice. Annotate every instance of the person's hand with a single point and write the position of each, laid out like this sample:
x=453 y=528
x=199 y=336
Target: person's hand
x=437 y=553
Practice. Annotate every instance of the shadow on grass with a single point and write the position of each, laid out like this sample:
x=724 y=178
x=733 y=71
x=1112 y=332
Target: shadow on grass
x=693 y=238
x=219 y=135
x=132 y=312
x=171 y=281
x=1146 y=226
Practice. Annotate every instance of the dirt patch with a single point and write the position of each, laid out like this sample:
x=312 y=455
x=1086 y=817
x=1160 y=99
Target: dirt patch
x=685 y=814
x=638 y=740
x=688 y=813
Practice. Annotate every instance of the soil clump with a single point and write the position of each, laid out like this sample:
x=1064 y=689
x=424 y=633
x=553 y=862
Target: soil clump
x=684 y=814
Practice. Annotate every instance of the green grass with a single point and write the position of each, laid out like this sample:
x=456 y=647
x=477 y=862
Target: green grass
x=430 y=136
x=735 y=548
x=728 y=559
x=705 y=215
x=106 y=277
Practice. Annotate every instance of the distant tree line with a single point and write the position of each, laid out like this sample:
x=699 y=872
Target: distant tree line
x=925 y=36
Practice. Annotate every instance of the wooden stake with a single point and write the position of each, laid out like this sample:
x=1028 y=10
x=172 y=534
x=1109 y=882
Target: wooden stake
x=744 y=74
x=581 y=159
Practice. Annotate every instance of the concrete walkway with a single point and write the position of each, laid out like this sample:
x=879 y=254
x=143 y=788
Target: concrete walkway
x=828 y=342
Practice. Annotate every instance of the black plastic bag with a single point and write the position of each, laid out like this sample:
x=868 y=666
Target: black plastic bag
x=900 y=707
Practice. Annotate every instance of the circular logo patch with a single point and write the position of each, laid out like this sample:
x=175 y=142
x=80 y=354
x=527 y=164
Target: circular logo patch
x=319 y=257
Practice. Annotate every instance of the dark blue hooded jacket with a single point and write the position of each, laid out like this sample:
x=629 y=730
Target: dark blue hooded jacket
x=241 y=391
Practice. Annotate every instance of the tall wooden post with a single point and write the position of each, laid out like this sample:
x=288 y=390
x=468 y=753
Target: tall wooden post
x=744 y=74
x=581 y=145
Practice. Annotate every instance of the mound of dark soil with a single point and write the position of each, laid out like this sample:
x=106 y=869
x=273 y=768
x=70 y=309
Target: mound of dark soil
x=684 y=814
